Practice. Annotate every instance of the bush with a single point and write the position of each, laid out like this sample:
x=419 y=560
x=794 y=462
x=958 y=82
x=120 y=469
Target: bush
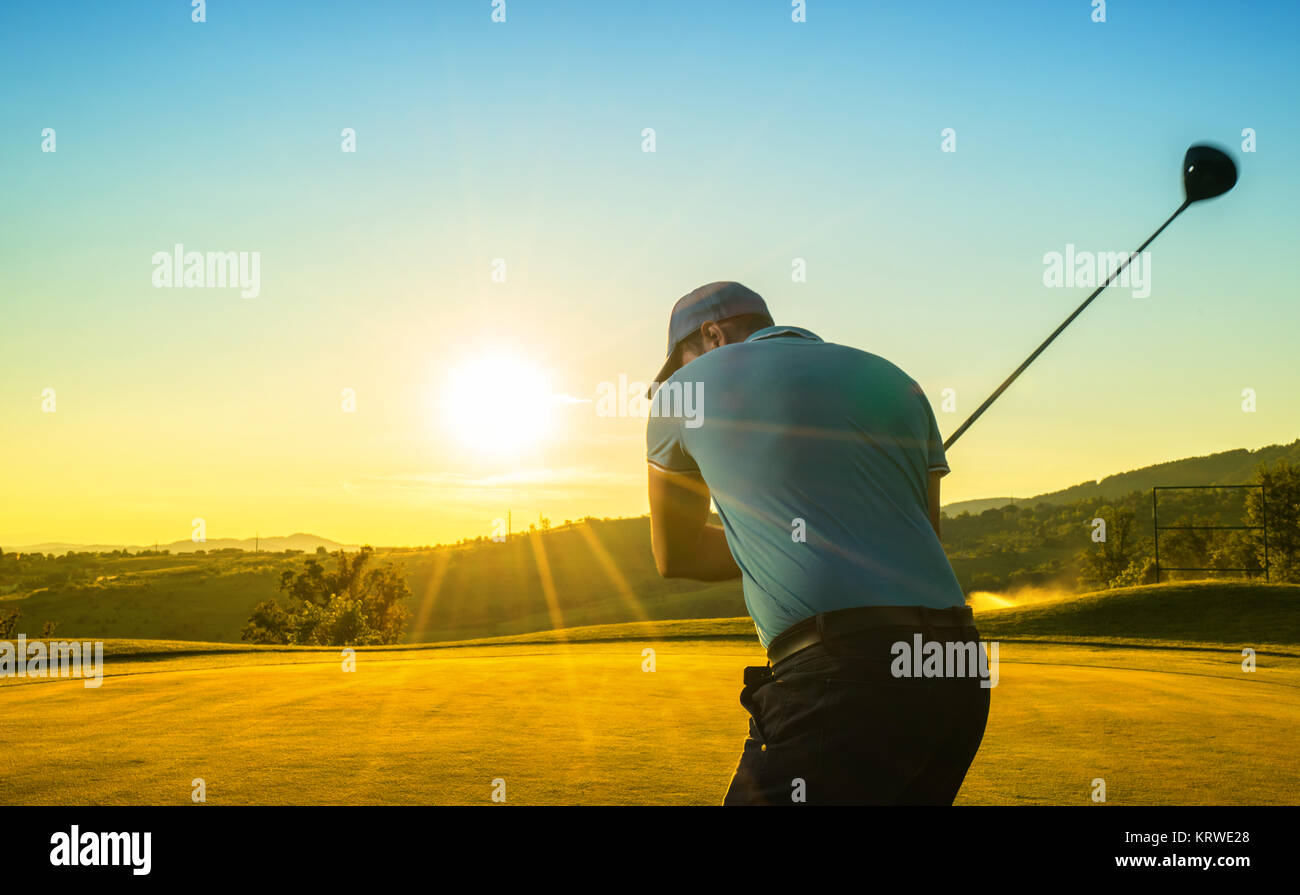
x=9 y=623
x=352 y=606
x=1142 y=570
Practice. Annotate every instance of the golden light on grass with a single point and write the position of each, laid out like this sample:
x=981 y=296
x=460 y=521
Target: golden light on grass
x=570 y=723
x=983 y=600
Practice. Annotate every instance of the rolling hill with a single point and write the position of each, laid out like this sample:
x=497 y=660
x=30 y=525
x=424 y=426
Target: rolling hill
x=590 y=572
x=1225 y=468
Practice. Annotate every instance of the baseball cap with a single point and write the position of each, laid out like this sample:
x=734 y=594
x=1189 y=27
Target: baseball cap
x=716 y=301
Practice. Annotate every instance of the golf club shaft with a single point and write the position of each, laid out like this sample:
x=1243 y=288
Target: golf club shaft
x=1068 y=320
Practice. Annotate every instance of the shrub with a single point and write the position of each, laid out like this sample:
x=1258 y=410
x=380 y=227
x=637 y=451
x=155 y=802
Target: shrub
x=351 y=606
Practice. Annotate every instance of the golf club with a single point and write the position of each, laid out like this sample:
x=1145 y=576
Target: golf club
x=1207 y=172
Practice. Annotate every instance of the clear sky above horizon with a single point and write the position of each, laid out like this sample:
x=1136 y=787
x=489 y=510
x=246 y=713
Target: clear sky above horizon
x=523 y=141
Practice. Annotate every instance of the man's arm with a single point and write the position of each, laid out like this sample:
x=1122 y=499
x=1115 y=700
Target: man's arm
x=684 y=544
x=935 y=512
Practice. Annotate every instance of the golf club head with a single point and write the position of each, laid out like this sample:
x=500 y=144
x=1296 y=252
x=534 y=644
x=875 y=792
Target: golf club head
x=1207 y=172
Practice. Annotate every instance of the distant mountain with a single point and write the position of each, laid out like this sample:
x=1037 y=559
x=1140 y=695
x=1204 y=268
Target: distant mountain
x=1225 y=468
x=975 y=507
x=297 y=541
x=58 y=547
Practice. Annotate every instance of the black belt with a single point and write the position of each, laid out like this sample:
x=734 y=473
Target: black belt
x=847 y=622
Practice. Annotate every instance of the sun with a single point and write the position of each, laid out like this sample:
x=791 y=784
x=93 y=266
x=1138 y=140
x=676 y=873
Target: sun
x=498 y=404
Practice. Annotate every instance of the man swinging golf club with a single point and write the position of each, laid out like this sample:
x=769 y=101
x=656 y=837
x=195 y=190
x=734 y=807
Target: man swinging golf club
x=824 y=462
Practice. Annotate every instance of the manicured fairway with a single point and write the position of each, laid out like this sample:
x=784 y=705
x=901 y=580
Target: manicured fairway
x=583 y=723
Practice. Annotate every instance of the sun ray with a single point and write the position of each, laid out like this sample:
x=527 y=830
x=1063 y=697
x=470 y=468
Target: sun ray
x=616 y=578
x=576 y=686
x=547 y=580
x=441 y=560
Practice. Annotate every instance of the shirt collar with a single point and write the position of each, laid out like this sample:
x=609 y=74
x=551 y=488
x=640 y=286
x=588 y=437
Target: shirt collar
x=772 y=332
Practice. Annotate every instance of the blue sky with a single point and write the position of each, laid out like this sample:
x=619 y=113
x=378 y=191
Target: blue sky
x=522 y=140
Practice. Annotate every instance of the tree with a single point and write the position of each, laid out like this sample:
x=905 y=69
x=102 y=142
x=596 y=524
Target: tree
x=1193 y=547
x=354 y=605
x=269 y=623
x=1280 y=505
x=1103 y=564
x=9 y=623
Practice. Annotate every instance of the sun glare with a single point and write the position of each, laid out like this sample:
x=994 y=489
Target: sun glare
x=498 y=404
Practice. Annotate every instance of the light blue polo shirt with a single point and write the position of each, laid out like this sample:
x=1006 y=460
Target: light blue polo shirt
x=818 y=458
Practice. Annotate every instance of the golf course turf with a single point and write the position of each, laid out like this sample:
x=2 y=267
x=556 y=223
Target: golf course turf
x=1168 y=719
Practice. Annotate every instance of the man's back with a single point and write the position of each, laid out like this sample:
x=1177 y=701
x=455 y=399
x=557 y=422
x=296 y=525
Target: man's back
x=818 y=458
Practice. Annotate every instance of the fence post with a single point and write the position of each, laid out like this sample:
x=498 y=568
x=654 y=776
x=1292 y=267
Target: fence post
x=1155 y=527
x=1263 y=501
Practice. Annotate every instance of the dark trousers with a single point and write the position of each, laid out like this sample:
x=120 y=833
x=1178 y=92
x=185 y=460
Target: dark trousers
x=832 y=725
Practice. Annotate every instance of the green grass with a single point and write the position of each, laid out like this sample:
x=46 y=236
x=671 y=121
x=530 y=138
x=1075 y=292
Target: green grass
x=1180 y=614
x=1185 y=615
x=1157 y=704
x=1239 y=613
x=582 y=723
x=494 y=590
x=599 y=572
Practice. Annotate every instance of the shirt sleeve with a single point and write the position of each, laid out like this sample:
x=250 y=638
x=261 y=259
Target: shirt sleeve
x=936 y=458
x=664 y=447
